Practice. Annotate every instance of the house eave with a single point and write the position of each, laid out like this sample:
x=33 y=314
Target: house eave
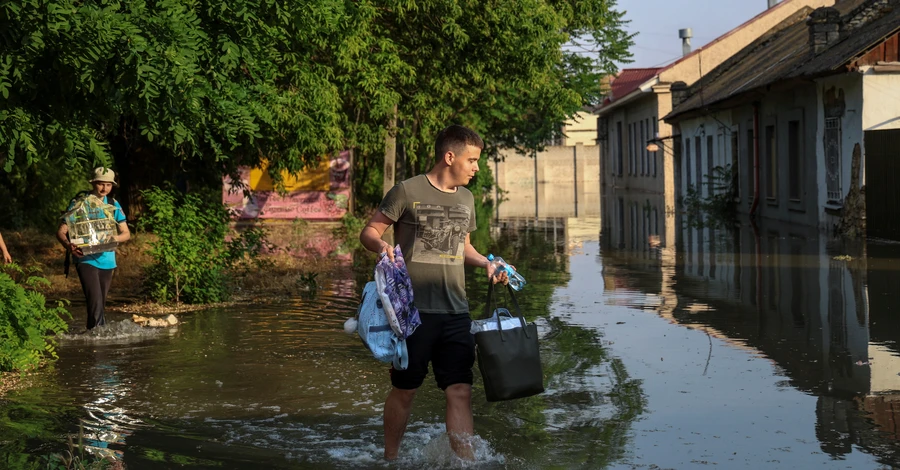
x=643 y=89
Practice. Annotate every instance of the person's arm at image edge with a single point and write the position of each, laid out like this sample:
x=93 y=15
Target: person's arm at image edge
x=4 y=253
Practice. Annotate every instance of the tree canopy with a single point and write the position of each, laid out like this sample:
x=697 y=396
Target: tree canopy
x=214 y=85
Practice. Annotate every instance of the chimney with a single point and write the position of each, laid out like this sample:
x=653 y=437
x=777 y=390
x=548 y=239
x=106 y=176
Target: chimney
x=685 y=35
x=824 y=28
x=772 y=3
x=680 y=93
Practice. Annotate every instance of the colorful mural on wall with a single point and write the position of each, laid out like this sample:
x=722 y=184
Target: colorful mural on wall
x=318 y=193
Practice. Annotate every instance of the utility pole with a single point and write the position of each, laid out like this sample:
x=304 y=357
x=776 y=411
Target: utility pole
x=390 y=153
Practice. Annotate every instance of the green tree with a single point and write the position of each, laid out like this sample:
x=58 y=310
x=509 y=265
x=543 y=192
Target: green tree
x=499 y=67
x=202 y=87
x=166 y=85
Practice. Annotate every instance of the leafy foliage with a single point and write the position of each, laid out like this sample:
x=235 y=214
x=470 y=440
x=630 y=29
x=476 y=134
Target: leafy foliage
x=211 y=86
x=497 y=67
x=192 y=260
x=217 y=81
x=719 y=205
x=26 y=321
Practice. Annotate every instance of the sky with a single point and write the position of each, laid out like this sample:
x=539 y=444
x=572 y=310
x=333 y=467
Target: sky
x=657 y=23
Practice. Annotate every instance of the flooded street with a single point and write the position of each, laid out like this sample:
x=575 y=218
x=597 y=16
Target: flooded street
x=665 y=344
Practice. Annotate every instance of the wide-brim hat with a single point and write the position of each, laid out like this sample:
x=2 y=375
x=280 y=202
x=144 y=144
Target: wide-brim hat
x=104 y=175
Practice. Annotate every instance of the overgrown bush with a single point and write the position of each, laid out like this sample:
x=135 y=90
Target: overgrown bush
x=191 y=259
x=27 y=324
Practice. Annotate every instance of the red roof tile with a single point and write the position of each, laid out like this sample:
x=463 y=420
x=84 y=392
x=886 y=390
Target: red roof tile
x=629 y=80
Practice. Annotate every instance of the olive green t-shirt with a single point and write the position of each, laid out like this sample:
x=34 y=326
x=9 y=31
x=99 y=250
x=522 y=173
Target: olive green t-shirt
x=431 y=228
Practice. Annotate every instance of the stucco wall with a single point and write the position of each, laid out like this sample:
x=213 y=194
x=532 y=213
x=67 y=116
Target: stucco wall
x=581 y=129
x=776 y=109
x=641 y=170
x=850 y=85
x=881 y=97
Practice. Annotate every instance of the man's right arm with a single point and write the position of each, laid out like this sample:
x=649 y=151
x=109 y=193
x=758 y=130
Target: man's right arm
x=63 y=239
x=370 y=237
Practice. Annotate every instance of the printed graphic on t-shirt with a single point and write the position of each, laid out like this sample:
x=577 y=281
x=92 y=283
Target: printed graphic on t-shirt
x=440 y=233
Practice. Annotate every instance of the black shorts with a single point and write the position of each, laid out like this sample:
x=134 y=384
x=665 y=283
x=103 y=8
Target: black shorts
x=446 y=342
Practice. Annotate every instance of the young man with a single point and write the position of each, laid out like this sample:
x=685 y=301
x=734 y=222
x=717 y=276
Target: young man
x=95 y=270
x=433 y=215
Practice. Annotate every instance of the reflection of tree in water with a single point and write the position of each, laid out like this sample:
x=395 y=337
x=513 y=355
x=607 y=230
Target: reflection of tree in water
x=31 y=423
x=579 y=418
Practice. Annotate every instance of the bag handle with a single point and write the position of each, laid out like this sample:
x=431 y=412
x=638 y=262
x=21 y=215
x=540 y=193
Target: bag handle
x=487 y=309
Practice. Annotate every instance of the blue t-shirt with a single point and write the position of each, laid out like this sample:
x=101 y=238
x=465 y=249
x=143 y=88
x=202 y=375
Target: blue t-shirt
x=107 y=259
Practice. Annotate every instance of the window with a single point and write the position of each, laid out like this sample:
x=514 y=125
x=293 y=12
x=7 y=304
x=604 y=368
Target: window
x=655 y=155
x=795 y=156
x=698 y=156
x=735 y=166
x=637 y=148
x=687 y=165
x=631 y=150
x=711 y=181
x=751 y=156
x=643 y=148
x=630 y=146
x=771 y=164
x=619 y=153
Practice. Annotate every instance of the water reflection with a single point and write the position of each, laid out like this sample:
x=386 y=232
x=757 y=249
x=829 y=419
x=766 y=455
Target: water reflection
x=819 y=309
x=280 y=385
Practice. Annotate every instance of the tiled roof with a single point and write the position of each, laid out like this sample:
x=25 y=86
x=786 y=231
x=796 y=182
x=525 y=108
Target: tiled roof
x=627 y=82
x=785 y=53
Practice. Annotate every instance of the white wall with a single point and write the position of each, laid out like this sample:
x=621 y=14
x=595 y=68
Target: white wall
x=851 y=134
x=581 y=129
x=881 y=99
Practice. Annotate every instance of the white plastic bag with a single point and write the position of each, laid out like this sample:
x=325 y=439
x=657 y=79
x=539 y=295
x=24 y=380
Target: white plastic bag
x=507 y=322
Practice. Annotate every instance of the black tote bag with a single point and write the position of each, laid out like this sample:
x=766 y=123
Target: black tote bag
x=510 y=360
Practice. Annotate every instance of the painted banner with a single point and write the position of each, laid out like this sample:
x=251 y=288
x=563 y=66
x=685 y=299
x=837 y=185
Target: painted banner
x=318 y=193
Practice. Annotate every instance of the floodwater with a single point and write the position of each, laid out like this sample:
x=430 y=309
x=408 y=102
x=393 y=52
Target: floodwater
x=664 y=345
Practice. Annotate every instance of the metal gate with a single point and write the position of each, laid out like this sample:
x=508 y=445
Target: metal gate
x=883 y=184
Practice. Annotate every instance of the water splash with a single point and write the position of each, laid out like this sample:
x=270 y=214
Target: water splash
x=116 y=331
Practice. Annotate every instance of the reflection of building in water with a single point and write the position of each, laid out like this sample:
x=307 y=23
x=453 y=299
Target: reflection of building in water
x=564 y=233
x=781 y=291
x=639 y=234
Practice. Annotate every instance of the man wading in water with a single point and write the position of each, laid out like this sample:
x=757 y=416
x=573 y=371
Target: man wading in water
x=433 y=215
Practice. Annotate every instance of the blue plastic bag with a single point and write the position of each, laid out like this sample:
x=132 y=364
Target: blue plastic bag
x=375 y=330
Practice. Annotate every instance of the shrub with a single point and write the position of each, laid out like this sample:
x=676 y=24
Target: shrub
x=27 y=325
x=188 y=255
x=191 y=259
